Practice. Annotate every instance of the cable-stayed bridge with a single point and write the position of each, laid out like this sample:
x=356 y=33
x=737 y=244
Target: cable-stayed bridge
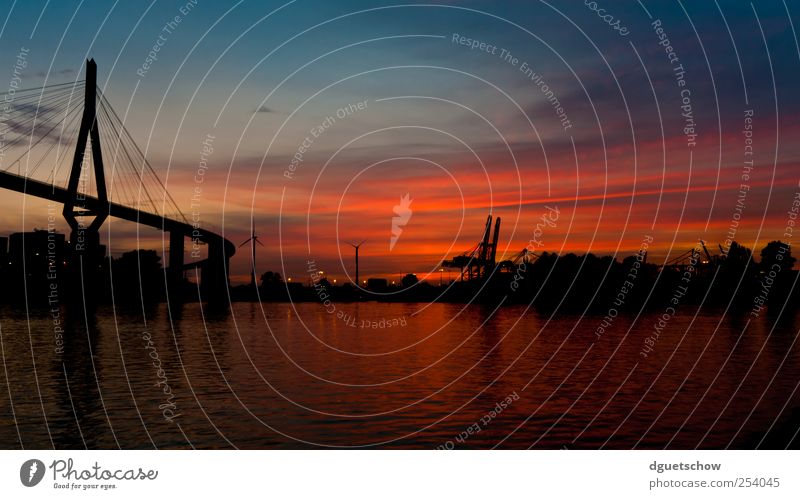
x=65 y=143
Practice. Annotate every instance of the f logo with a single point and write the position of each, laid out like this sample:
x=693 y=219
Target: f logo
x=403 y=212
x=31 y=472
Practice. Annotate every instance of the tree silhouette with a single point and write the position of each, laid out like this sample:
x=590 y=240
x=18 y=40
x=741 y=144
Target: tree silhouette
x=270 y=278
x=777 y=252
x=409 y=280
x=138 y=275
x=738 y=258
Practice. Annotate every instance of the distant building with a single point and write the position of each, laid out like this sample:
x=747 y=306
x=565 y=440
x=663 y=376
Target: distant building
x=4 y=252
x=377 y=285
x=39 y=254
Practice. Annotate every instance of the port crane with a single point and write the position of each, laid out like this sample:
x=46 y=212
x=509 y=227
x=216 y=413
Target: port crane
x=478 y=261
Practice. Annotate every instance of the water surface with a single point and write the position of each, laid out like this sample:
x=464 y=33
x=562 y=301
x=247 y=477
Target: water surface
x=282 y=375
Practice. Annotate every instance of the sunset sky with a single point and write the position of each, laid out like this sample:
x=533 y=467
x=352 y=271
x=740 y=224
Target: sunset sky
x=465 y=132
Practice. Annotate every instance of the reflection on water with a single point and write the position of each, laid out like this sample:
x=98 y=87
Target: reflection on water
x=400 y=375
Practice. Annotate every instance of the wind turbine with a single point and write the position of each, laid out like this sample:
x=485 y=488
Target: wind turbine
x=356 y=246
x=253 y=240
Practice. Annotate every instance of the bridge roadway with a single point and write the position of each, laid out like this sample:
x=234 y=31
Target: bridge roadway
x=51 y=192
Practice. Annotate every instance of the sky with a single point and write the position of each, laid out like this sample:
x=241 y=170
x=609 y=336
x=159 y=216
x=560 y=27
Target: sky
x=629 y=118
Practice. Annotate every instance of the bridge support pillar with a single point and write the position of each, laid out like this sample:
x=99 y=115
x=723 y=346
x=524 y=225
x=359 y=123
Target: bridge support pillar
x=85 y=264
x=214 y=276
x=175 y=269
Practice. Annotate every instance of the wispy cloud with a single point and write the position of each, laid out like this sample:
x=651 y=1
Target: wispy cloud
x=60 y=72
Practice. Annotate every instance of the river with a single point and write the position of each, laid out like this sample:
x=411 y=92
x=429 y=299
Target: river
x=282 y=375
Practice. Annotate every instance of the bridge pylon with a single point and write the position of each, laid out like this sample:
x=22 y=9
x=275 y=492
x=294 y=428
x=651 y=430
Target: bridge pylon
x=85 y=238
x=74 y=205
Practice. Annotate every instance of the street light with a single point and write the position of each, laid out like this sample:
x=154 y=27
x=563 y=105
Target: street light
x=441 y=274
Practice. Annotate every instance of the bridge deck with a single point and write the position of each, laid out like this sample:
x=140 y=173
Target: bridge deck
x=51 y=192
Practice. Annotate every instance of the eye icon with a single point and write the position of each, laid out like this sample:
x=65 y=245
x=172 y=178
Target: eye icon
x=31 y=472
